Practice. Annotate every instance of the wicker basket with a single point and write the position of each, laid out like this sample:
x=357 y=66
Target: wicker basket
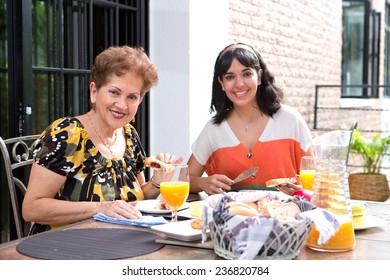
x=368 y=187
x=284 y=242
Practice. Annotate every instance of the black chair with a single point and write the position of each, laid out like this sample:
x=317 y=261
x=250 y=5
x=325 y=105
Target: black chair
x=17 y=157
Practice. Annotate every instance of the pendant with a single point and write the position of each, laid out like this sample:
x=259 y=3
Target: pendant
x=246 y=128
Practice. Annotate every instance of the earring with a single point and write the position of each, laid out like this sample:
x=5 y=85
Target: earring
x=93 y=106
x=133 y=120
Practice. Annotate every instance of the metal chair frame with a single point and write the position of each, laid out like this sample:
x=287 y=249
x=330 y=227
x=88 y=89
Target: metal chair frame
x=17 y=153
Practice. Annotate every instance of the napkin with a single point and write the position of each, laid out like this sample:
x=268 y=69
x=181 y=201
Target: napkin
x=326 y=223
x=144 y=221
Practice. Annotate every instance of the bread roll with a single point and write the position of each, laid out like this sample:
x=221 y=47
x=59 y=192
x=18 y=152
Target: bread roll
x=196 y=224
x=252 y=204
x=261 y=206
x=283 y=211
x=241 y=208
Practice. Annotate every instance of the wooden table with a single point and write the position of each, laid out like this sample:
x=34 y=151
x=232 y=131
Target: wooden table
x=371 y=244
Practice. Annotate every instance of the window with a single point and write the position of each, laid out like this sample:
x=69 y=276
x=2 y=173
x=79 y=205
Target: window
x=360 y=52
x=387 y=51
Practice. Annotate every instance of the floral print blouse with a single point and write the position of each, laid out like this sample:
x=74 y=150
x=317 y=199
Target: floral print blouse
x=65 y=148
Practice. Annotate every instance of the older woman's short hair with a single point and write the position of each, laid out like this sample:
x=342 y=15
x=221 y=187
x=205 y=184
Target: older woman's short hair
x=118 y=60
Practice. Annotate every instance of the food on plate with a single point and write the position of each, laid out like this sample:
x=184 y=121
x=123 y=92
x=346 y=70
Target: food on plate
x=303 y=194
x=162 y=205
x=158 y=164
x=196 y=208
x=280 y=181
x=196 y=224
x=241 y=208
x=358 y=214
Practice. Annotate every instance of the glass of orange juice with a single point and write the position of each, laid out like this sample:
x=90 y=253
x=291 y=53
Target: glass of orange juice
x=307 y=172
x=175 y=187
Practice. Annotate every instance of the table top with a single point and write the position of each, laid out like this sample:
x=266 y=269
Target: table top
x=371 y=244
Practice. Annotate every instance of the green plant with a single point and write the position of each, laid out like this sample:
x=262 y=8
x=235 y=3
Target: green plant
x=372 y=151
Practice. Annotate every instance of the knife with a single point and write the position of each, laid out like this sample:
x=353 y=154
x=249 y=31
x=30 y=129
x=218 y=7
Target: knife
x=244 y=175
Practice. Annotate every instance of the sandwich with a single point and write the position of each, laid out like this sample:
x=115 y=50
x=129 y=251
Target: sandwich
x=280 y=181
x=158 y=164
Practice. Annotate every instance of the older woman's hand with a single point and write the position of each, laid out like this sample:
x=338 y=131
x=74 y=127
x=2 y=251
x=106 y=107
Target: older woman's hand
x=120 y=209
x=167 y=158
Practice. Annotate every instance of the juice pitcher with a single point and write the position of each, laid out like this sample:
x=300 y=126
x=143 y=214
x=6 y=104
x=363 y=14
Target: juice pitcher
x=331 y=190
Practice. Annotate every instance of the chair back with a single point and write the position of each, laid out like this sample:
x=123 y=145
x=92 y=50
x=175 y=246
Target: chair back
x=17 y=154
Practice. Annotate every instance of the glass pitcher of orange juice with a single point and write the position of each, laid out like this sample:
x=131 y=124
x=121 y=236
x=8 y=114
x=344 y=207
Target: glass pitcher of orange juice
x=331 y=191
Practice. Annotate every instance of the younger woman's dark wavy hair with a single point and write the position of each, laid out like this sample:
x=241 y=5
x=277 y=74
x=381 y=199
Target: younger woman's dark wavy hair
x=268 y=95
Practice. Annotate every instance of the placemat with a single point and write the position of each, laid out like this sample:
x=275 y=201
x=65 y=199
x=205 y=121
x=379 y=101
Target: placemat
x=89 y=244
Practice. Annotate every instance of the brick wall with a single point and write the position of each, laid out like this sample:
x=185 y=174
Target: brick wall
x=299 y=40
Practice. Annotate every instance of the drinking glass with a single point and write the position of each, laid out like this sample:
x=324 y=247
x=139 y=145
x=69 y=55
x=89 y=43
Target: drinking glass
x=307 y=172
x=175 y=187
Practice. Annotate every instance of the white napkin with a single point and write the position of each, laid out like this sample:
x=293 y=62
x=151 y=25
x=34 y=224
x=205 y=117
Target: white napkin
x=326 y=223
x=144 y=221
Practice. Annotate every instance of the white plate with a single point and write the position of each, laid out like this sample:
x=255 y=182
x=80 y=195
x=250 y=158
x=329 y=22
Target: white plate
x=372 y=221
x=149 y=206
x=180 y=230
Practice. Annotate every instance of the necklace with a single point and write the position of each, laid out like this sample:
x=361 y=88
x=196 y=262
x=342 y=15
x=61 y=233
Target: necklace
x=246 y=128
x=101 y=137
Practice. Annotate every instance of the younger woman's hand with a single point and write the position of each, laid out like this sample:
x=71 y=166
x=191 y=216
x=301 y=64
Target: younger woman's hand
x=215 y=184
x=288 y=188
x=295 y=190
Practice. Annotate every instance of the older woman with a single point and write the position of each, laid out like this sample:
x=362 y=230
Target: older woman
x=93 y=163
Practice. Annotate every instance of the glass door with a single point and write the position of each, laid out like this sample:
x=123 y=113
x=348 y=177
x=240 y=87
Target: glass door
x=47 y=48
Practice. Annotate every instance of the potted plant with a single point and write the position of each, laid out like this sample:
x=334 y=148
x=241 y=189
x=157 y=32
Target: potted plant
x=370 y=184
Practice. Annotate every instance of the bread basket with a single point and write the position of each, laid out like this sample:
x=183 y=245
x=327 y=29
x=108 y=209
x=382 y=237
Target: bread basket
x=283 y=240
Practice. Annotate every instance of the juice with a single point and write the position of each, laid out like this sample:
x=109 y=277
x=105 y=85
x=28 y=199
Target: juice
x=343 y=240
x=175 y=193
x=330 y=193
x=307 y=179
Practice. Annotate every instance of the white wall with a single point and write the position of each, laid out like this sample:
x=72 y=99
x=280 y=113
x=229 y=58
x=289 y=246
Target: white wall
x=185 y=39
